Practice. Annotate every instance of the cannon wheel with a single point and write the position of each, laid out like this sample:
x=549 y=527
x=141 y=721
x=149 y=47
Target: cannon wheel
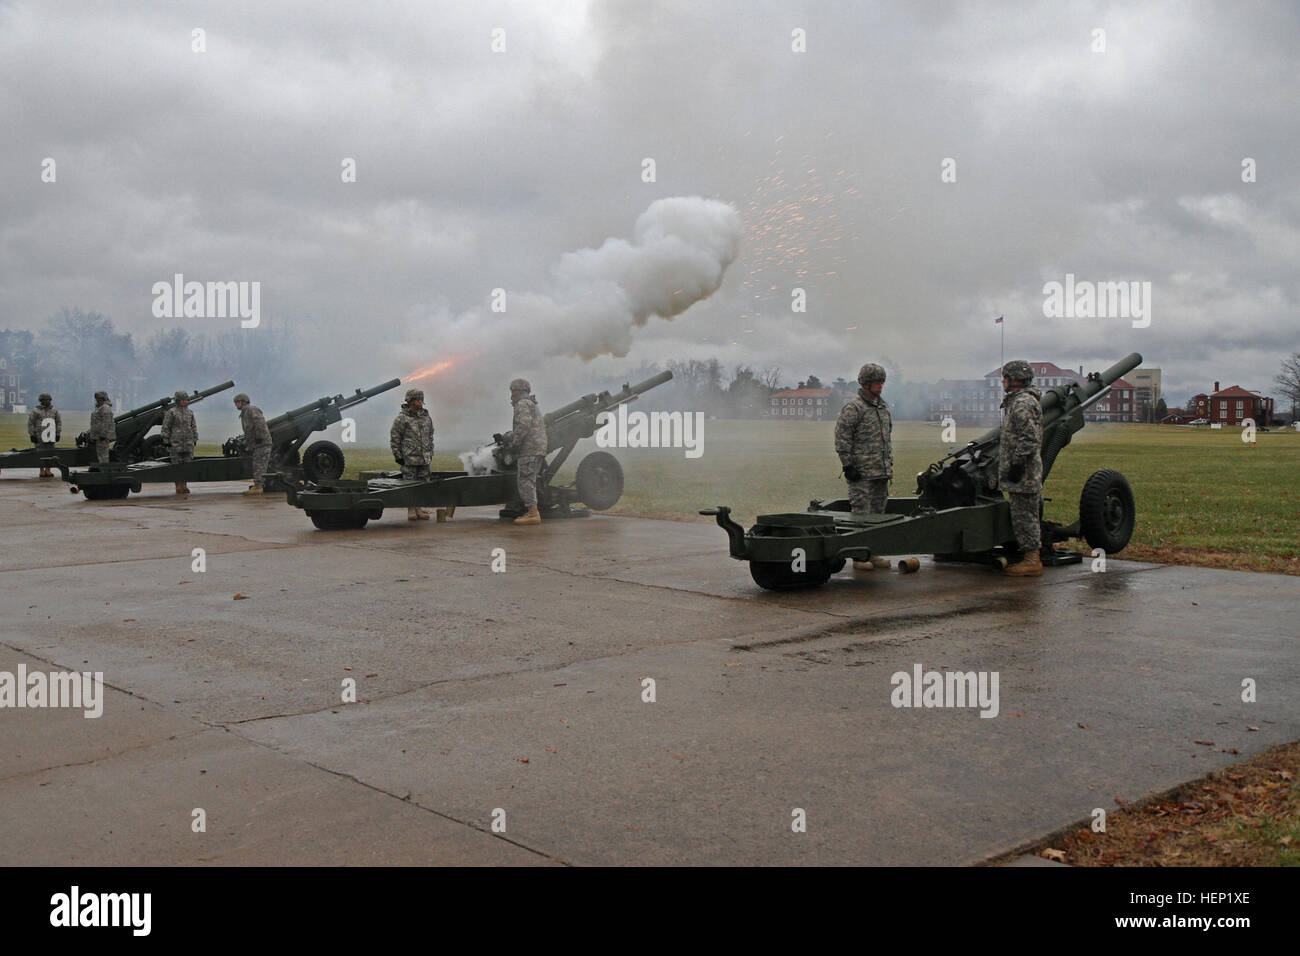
x=322 y=460
x=105 y=492
x=1106 y=511
x=333 y=520
x=599 y=481
x=155 y=446
x=777 y=576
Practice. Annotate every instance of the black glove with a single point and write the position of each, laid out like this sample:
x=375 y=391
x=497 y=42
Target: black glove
x=1016 y=472
x=851 y=473
x=400 y=461
x=499 y=438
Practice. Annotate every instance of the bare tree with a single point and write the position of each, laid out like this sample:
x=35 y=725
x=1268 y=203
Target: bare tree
x=771 y=378
x=1288 y=381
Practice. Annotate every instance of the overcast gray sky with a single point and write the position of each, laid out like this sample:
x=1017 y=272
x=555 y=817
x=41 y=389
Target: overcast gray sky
x=479 y=169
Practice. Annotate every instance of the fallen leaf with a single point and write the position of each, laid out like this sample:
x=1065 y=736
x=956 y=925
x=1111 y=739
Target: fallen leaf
x=1285 y=774
x=1015 y=713
x=522 y=759
x=1056 y=855
x=128 y=620
x=1252 y=728
x=372 y=675
x=1204 y=743
x=1081 y=726
x=551 y=750
x=241 y=597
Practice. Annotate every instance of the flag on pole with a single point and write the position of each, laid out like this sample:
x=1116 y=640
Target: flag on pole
x=998 y=320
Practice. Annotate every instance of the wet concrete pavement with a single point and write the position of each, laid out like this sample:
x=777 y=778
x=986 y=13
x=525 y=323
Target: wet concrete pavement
x=486 y=698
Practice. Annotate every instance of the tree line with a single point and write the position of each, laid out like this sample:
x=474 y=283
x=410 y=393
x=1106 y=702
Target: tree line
x=78 y=353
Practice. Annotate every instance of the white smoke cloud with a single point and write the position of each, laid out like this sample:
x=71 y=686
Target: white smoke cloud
x=480 y=461
x=678 y=254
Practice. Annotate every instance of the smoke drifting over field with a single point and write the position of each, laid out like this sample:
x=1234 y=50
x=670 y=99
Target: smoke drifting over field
x=678 y=254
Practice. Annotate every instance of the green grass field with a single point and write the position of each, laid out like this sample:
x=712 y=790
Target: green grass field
x=1203 y=497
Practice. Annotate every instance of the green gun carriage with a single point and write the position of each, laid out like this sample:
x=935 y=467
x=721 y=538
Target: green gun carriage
x=289 y=463
x=133 y=442
x=957 y=513
x=335 y=505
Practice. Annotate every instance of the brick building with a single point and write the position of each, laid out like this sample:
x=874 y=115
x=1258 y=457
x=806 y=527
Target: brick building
x=12 y=392
x=978 y=402
x=803 y=403
x=1233 y=405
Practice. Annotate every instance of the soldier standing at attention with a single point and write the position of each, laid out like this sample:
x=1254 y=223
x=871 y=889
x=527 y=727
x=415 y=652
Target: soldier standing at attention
x=863 y=442
x=103 y=431
x=526 y=440
x=1020 y=463
x=257 y=440
x=411 y=439
x=181 y=432
x=39 y=420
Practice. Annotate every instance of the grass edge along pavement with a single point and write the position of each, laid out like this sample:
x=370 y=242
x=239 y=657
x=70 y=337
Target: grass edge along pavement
x=1244 y=814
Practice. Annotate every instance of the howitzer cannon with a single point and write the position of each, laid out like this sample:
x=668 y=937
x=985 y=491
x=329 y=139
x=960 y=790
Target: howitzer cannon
x=321 y=459
x=957 y=514
x=598 y=484
x=289 y=462
x=133 y=442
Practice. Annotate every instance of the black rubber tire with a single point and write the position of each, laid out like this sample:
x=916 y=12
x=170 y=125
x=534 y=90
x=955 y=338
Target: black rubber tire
x=105 y=492
x=153 y=448
x=777 y=576
x=322 y=460
x=1106 y=511
x=599 y=481
x=338 y=520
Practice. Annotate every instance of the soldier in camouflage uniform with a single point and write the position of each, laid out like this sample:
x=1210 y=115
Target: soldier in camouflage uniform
x=863 y=442
x=1020 y=462
x=37 y=420
x=526 y=440
x=181 y=432
x=257 y=440
x=103 y=430
x=411 y=439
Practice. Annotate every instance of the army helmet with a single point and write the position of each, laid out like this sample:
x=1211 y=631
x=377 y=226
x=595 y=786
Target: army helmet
x=181 y=395
x=414 y=393
x=101 y=396
x=520 y=385
x=1018 y=370
x=243 y=397
x=45 y=398
x=871 y=372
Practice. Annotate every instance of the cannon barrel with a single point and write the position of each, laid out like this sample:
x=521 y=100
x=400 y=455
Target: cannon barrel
x=163 y=403
x=1060 y=401
x=361 y=395
x=593 y=404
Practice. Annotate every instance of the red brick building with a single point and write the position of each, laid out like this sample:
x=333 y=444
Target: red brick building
x=1232 y=406
x=1119 y=405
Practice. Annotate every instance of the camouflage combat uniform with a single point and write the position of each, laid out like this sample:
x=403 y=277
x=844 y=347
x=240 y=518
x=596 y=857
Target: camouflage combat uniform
x=411 y=439
x=527 y=441
x=181 y=432
x=257 y=440
x=1021 y=444
x=862 y=440
x=36 y=420
x=103 y=430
